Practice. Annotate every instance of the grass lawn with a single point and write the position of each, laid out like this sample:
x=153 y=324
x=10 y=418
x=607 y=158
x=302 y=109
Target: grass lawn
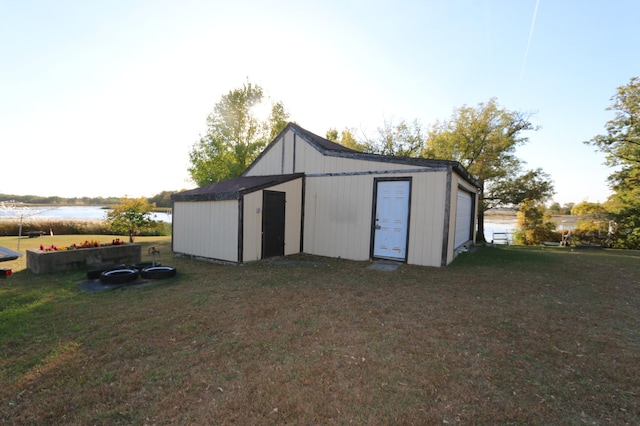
x=507 y=335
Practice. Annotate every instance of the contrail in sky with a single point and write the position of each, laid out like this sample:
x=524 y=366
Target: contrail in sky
x=526 y=52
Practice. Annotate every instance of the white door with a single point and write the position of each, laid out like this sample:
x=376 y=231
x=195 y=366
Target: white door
x=463 y=219
x=391 y=219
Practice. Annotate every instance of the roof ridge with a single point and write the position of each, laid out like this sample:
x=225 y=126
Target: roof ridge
x=329 y=148
x=325 y=147
x=323 y=143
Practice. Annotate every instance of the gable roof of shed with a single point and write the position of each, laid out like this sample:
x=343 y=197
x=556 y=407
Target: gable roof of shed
x=332 y=149
x=320 y=143
x=232 y=189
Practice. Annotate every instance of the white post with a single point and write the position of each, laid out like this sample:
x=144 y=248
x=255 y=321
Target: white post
x=20 y=232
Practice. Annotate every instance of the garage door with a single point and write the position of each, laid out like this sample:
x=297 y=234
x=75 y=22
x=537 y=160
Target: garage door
x=464 y=219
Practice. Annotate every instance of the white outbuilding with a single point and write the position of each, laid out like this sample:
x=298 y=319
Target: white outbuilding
x=306 y=194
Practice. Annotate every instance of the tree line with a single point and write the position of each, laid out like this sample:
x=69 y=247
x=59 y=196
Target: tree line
x=162 y=200
x=482 y=138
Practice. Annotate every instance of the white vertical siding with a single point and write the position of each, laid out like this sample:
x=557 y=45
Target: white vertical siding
x=270 y=162
x=310 y=160
x=427 y=219
x=288 y=152
x=338 y=209
x=252 y=227
x=279 y=159
x=252 y=221
x=338 y=216
x=456 y=183
x=463 y=218
x=293 y=214
x=207 y=229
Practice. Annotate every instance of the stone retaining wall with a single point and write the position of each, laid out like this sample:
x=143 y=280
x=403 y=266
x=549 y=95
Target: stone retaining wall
x=41 y=262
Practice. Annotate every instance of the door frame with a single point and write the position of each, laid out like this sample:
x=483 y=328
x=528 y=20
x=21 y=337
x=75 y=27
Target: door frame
x=283 y=196
x=374 y=213
x=471 y=216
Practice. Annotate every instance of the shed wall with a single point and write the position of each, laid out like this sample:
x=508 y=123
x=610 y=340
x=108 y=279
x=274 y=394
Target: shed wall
x=271 y=161
x=280 y=159
x=427 y=219
x=207 y=229
x=337 y=220
x=338 y=216
x=252 y=221
x=456 y=185
x=338 y=208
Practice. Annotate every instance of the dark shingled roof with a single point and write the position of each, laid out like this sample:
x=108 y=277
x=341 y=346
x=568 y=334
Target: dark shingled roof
x=232 y=189
x=326 y=147
x=322 y=143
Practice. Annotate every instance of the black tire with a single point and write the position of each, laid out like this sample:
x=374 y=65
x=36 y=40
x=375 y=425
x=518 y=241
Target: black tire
x=95 y=273
x=119 y=276
x=142 y=265
x=158 y=272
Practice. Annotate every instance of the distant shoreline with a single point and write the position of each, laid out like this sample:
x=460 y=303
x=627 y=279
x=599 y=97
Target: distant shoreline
x=101 y=205
x=510 y=216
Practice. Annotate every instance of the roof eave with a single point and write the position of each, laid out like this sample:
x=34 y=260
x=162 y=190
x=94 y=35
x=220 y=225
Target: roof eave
x=235 y=194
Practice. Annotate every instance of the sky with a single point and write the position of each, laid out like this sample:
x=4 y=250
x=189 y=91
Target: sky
x=107 y=98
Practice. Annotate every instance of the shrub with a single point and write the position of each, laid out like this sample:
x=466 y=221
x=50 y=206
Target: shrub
x=82 y=245
x=534 y=226
x=131 y=216
x=11 y=227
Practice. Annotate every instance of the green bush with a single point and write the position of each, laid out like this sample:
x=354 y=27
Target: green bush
x=534 y=225
x=157 y=229
x=536 y=235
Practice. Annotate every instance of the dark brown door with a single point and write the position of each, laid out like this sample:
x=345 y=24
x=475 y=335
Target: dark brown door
x=273 y=209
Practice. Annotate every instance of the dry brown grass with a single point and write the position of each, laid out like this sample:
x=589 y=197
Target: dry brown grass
x=502 y=336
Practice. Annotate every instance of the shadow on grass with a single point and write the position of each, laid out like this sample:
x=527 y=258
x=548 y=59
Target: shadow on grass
x=504 y=335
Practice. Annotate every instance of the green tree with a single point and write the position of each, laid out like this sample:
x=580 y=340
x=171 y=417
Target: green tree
x=511 y=191
x=402 y=139
x=131 y=216
x=235 y=135
x=566 y=208
x=621 y=145
x=587 y=208
x=278 y=120
x=593 y=219
x=534 y=225
x=163 y=199
x=624 y=206
x=332 y=135
x=483 y=139
x=346 y=138
x=555 y=208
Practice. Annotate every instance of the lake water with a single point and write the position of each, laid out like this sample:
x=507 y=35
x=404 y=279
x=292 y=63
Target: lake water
x=502 y=225
x=491 y=225
x=69 y=212
x=505 y=223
